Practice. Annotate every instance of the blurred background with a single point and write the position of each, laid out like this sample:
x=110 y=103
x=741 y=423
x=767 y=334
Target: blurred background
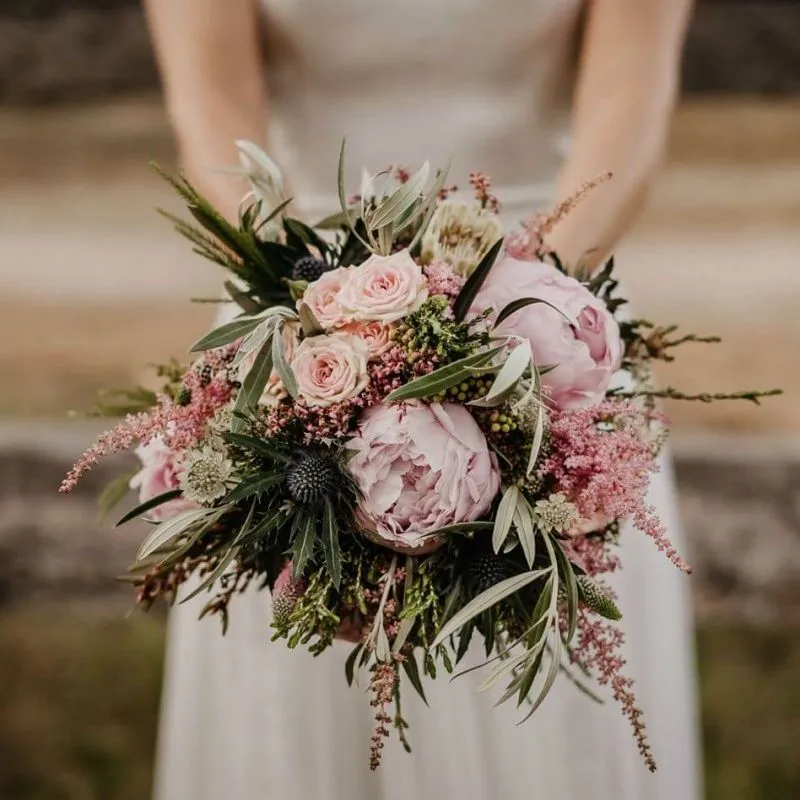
x=93 y=284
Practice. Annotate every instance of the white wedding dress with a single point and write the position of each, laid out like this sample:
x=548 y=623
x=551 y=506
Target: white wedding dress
x=487 y=81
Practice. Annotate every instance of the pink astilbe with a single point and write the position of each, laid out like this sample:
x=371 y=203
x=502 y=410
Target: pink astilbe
x=529 y=243
x=481 y=186
x=593 y=554
x=382 y=687
x=443 y=280
x=180 y=425
x=598 y=650
x=602 y=460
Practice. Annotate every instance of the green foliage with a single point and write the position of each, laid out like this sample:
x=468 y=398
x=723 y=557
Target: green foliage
x=471 y=288
x=432 y=329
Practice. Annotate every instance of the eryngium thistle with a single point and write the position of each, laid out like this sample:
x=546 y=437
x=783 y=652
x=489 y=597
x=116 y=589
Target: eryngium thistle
x=596 y=599
x=312 y=478
x=484 y=570
x=308 y=268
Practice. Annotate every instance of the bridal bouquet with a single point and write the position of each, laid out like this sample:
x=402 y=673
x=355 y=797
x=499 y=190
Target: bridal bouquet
x=415 y=432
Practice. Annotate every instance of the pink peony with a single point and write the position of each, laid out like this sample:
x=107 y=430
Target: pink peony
x=384 y=289
x=421 y=467
x=330 y=368
x=322 y=297
x=376 y=336
x=159 y=474
x=587 y=350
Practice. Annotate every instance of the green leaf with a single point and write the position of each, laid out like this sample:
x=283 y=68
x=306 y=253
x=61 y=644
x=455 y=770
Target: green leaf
x=114 y=493
x=254 y=382
x=305 y=234
x=226 y=334
x=471 y=288
x=241 y=298
x=153 y=502
x=343 y=198
x=412 y=670
x=303 y=546
x=172 y=528
x=518 y=305
x=486 y=600
x=258 y=446
x=330 y=543
x=442 y=378
x=403 y=631
x=333 y=221
x=570 y=586
x=538 y=432
x=218 y=571
x=504 y=517
x=309 y=322
x=555 y=665
x=350 y=664
x=281 y=365
x=254 y=486
x=523 y=522
x=428 y=207
x=401 y=199
x=508 y=377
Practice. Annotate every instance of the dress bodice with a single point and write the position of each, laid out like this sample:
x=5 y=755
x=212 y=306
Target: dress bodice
x=487 y=82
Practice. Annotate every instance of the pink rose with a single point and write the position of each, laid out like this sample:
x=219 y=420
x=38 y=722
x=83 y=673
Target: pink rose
x=376 y=335
x=587 y=349
x=384 y=289
x=420 y=467
x=274 y=390
x=322 y=297
x=159 y=474
x=330 y=368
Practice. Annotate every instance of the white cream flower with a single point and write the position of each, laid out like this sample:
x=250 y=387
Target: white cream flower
x=205 y=474
x=460 y=234
x=556 y=513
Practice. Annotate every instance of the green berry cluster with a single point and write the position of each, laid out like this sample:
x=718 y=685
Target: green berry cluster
x=432 y=329
x=469 y=389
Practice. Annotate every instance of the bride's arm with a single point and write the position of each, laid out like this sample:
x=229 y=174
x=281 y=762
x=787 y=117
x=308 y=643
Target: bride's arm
x=627 y=84
x=210 y=60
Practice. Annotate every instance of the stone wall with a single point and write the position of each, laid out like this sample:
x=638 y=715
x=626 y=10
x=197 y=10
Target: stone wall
x=65 y=50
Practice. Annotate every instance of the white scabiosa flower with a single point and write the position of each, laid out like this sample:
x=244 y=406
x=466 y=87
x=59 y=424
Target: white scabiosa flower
x=556 y=513
x=205 y=475
x=460 y=234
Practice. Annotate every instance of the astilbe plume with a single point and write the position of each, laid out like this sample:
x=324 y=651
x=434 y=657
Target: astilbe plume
x=481 y=186
x=382 y=687
x=529 y=243
x=180 y=422
x=602 y=459
x=598 y=650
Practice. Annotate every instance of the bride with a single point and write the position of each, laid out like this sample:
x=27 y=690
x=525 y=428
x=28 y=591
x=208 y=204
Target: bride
x=509 y=87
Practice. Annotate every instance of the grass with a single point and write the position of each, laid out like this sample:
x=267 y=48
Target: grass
x=79 y=705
